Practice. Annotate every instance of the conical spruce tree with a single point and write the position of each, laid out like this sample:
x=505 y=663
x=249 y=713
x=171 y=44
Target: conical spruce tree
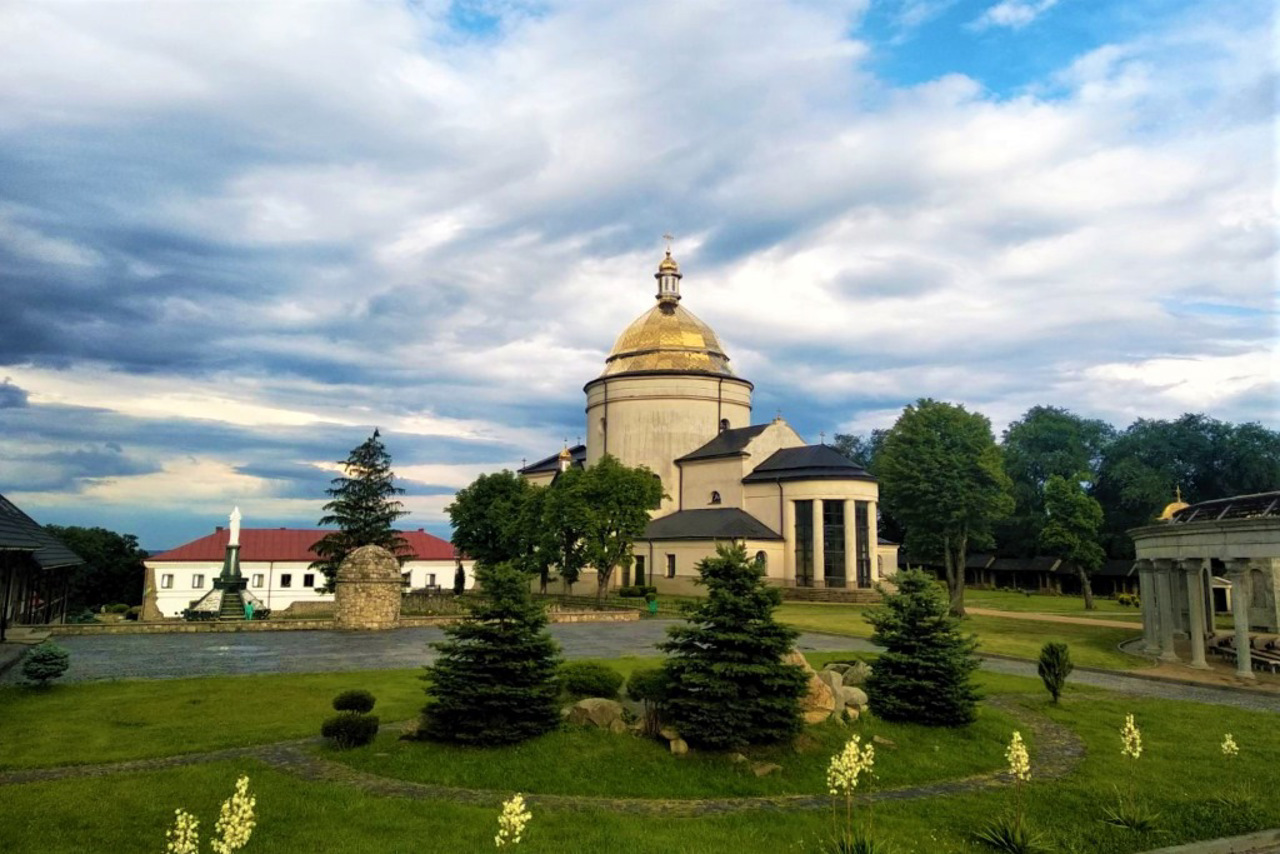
x=924 y=674
x=727 y=683
x=364 y=508
x=495 y=680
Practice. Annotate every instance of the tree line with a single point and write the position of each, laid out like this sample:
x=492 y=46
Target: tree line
x=1054 y=484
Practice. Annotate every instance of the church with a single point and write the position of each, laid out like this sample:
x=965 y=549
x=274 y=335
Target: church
x=667 y=399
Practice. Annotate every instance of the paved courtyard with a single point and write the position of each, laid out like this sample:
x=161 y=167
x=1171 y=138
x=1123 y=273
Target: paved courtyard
x=199 y=654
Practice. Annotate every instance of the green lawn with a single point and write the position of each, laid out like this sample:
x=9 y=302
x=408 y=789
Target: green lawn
x=1180 y=773
x=582 y=761
x=1040 y=603
x=1091 y=646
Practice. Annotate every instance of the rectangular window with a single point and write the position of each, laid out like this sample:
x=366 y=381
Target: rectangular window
x=197 y=581
x=639 y=570
x=804 y=543
x=286 y=580
x=166 y=581
x=862 y=527
x=257 y=581
x=431 y=580
x=309 y=580
x=833 y=543
x=671 y=566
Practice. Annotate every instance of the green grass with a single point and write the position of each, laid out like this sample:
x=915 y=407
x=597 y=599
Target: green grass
x=585 y=761
x=1042 y=603
x=1178 y=775
x=1091 y=646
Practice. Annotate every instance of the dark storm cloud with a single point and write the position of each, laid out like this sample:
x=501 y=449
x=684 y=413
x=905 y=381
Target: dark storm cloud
x=11 y=397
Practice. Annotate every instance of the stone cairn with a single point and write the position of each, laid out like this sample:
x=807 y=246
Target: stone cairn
x=368 y=590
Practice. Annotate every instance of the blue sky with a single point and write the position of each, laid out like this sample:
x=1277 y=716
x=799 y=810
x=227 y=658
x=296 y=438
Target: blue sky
x=236 y=237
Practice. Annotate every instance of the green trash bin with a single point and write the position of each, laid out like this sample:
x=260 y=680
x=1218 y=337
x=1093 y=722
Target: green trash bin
x=653 y=606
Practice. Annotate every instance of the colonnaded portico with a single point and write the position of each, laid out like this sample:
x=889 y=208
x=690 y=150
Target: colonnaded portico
x=1183 y=556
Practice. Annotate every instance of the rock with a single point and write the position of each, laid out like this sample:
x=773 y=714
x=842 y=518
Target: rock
x=837 y=666
x=856 y=697
x=617 y=727
x=818 y=702
x=596 y=711
x=737 y=758
x=850 y=714
x=832 y=680
x=669 y=733
x=764 y=769
x=679 y=747
x=856 y=674
x=884 y=742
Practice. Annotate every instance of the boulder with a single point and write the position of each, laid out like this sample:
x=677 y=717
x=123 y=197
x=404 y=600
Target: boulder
x=669 y=733
x=855 y=697
x=617 y=726
x=832 y=680
x=737 y=758
x=817 y=702
x=679 y=747
x=838 y=666
x=856 y=674
x=596 y=711
x=884 y=742
x=850 y=714
x=764 y=769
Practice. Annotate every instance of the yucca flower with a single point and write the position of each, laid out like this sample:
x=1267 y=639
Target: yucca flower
x=1229 y=747
x=512 y=821
x=847 y=765
x=1019 y=760
x=236 y=821
x=1131 y=737
x=183 y=837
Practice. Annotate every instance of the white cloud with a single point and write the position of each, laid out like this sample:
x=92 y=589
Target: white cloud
x=1014 y=14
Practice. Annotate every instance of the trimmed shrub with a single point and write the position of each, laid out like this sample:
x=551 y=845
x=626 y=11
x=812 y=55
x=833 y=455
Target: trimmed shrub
x=355 y=700
x=586 y=679
x=639 y=591
x=350 y=729
x=925 y=674
x=133 y=613
x=45 y=662
x=118 y=608
x=728 y=685
x=648 y=685
x=1055 y=666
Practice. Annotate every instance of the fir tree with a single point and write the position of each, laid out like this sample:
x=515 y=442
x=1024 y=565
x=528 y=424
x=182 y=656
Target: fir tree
x=363 y=508
x=924 y=675
x=727 y=683
x=495 y=680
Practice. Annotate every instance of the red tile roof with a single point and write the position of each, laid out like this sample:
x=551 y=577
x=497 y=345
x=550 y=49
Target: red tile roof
x=289 y=544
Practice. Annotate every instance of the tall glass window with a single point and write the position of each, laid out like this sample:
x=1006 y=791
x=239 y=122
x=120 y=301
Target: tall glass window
x=833 y=543
x=862 y=527
x=804 y=543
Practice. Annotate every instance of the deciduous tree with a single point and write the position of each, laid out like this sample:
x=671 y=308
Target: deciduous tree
x=941 y=476
x=112 y=572
x=489 y=521
x=619 y=499
x=1070 y=531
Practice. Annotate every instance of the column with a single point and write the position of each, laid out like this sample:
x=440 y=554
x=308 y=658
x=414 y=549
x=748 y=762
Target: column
x=1195 y=609
x=1149 y=601
x=1164 y=577
x=850 y=543
x=818 y=551
x=873 y=542
x=1238 y=573
x=788 y=543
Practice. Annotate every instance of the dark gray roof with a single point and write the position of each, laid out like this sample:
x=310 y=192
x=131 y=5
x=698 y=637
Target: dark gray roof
x=725 y=523
x=807 y=462
x=49 y=551
x=978 y=561
x=729 y=443
x=1042 y=563
x=552 y=463
x=1116 y=568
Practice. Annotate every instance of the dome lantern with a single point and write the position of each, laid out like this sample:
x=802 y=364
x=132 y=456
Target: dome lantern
x=668 y=277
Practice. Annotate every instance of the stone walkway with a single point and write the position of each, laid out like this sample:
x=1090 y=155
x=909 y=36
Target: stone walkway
x=1058 y=752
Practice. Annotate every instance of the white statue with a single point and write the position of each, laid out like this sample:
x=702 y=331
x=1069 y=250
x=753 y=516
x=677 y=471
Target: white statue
x=235 y=528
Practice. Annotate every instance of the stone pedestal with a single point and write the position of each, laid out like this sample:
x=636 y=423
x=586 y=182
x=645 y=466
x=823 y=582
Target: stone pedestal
x=368 y=590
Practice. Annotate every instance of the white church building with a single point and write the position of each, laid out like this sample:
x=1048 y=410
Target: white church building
x=667 y=399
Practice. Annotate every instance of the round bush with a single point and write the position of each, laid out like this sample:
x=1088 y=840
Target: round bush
x=356 y=700
x=45 y=662
x=118 y=608
x=647 y=685
x=350 y=729
x=584 y=679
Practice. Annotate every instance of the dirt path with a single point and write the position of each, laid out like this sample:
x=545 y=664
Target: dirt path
x=1054 y=618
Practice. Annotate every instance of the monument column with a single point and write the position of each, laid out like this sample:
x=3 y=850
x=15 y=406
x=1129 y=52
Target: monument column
x=1238 y=573
x=850 y=543
x=788 y=543
x=1195 y=609
x=873 y=542
x=1164 y=575
x=819 y=553
x=1149 y=601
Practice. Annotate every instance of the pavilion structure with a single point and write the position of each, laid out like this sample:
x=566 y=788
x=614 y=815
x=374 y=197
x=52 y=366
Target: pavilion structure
x=1185 y=552
x=35 y=571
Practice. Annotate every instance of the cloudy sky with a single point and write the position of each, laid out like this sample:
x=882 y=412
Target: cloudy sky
x=236 y=236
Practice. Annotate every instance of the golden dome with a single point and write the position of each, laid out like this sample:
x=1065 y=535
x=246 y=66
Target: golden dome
x=1173 y=507
x=668 y=263
x=667 y=338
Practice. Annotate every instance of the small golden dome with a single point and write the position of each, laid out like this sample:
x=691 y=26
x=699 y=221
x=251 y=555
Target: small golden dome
x=668 y=337
x=668 y=264
x=564 y=454
x=1173 y=507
